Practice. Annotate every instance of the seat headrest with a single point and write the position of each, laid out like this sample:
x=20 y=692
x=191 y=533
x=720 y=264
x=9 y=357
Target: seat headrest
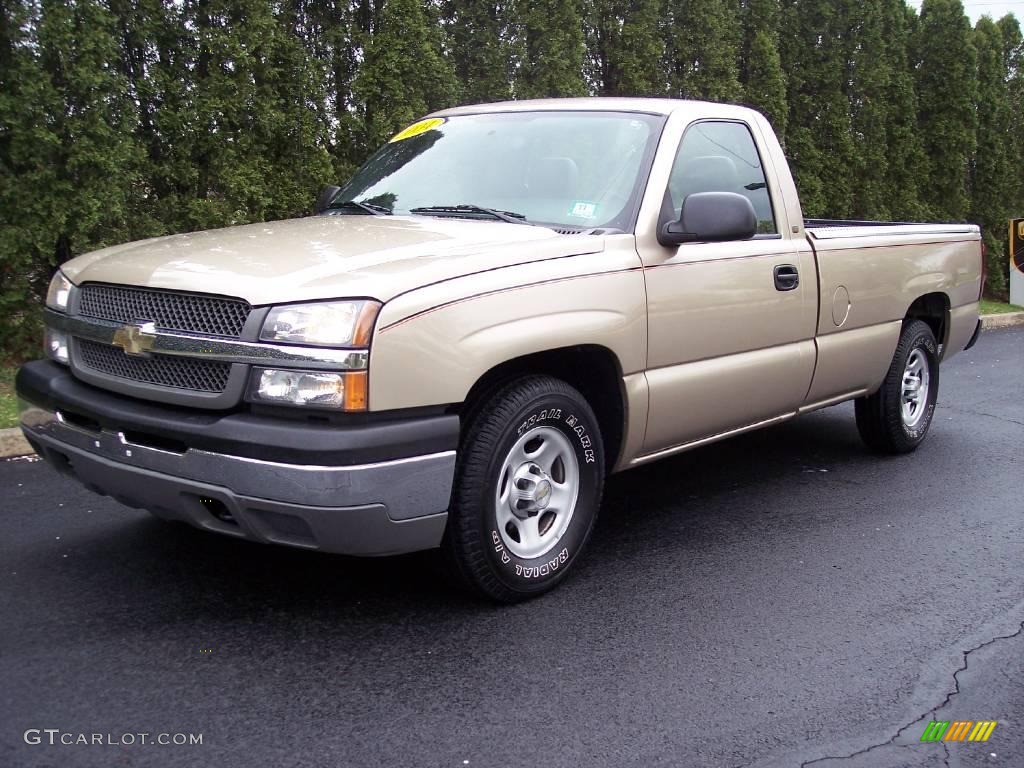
x=709 y=173
x=553 y=177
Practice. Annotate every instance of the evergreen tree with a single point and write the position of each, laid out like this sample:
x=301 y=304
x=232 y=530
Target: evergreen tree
x=1013 y=61
x=121 y=119
x=868 y=79
x=761 y=75
x=481 y=51
x=991 y=189
x=28 y=178
x=905 y=161
x=69 y=159
x=946 y=84
x=1009 y=27
x=818 y=133
x=552 y=47
x=337 y=32
x=703 y=49
x=403 y=74
x=247 y=140
x=98 y=157
x=292 y=118
x=640 y=50
x=149 y=33
x=627 y=47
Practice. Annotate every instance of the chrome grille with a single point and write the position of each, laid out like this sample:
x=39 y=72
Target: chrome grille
x=178 y=372
x=192 y=313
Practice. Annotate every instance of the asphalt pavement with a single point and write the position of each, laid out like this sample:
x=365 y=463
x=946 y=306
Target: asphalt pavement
x=780 y=599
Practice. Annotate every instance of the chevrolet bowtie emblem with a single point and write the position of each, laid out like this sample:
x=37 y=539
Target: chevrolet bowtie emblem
x=135 y=338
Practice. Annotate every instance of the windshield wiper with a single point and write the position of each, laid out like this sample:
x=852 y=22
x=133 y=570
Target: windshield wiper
x=370 y=208
x=509 y=216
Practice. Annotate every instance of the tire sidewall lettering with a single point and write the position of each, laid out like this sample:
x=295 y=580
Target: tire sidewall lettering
x=577 y=428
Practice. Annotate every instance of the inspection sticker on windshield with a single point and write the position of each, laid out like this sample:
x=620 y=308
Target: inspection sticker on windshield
x=583 y=210
x=417 y=128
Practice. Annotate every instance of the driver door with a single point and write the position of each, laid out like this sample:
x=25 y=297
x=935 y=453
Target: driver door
x=730 y=344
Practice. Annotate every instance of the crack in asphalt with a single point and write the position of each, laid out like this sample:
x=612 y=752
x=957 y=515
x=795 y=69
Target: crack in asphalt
x=961 y=409
x=932 y=711
x=1001 y=418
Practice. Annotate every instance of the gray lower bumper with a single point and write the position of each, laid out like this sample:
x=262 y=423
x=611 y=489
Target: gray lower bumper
x=371 y=509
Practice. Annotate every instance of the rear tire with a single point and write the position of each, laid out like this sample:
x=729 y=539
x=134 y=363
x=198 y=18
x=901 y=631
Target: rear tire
x=527 y=488
x=895 y=419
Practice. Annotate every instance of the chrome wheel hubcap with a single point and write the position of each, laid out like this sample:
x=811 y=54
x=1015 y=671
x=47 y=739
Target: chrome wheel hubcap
x=914 y=397
x=537 y=490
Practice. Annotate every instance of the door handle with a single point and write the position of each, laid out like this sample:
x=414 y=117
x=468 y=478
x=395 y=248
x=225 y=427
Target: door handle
x=787 y=277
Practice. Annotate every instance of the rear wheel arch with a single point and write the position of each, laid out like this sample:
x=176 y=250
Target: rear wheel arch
x=895 y=418
x=933 y=310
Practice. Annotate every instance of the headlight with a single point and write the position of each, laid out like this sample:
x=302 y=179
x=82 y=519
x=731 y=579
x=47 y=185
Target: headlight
x=343 y=391
x=58 y=292
x=56 y=346
x=330 y=324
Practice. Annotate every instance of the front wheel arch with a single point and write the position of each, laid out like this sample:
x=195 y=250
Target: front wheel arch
x=592 y=369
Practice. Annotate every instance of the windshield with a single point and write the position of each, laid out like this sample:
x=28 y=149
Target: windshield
x=573 y=170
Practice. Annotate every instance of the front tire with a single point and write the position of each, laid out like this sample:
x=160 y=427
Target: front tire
x=527 y=489
x=896 y=418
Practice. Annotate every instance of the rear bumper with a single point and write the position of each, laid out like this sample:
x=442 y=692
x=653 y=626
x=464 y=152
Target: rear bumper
x=346 y=504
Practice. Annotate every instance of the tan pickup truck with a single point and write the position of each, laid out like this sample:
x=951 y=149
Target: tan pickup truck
x=503 y=305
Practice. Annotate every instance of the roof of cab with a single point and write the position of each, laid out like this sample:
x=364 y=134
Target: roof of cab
x=589 y=103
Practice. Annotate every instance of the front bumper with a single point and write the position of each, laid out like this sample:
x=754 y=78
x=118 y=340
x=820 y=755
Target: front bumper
x=372 y=489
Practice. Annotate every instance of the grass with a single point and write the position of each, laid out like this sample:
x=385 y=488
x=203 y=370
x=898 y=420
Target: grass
x=8 y=402
x=997 y=307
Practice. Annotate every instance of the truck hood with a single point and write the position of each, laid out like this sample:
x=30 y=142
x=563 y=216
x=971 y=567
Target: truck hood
x=325 y=257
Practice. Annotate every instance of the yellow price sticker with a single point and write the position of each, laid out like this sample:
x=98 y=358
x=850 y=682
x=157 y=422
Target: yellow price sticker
x=417 y=128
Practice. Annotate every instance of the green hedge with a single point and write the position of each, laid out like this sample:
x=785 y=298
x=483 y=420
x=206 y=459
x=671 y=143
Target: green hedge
x=126 y=119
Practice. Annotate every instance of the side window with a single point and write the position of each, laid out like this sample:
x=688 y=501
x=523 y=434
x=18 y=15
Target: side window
x=721 y=157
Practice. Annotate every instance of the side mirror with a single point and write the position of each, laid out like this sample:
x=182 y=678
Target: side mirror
x=711 y=217
x=325 y=197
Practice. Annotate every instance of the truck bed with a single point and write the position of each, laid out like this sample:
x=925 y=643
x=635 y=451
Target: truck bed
x=870 y=275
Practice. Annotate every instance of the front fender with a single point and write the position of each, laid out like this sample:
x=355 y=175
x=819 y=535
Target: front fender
x=434 y=356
